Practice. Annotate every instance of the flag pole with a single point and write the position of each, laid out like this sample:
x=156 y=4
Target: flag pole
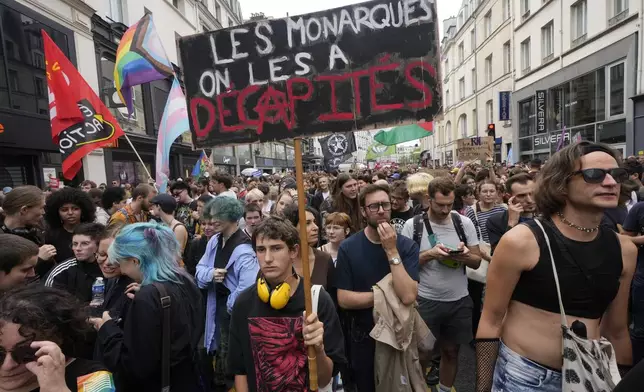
x=304 y=254
x=138 y=156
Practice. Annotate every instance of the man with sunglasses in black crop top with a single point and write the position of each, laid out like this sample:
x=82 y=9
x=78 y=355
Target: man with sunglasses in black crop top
x=519 y=339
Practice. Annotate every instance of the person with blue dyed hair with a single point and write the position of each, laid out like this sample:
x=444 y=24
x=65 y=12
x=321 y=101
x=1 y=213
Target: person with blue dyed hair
x=228 y=267
x=148 y=253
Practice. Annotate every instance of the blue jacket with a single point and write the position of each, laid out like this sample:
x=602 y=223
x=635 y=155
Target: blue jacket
x=242 y=273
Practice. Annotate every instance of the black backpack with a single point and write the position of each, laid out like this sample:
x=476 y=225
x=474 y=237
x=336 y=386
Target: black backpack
x=423 y=218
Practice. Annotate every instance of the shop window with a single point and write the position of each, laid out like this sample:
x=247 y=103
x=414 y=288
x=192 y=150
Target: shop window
x=581 y=102
x=616 y=89
x=612 y=132
x=224 y=151
x=134 y=123
x=243 y=151
x=527 y=118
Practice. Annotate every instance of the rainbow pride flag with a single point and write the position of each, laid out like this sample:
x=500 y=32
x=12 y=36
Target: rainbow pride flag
x=174 y=122
x=200 y=166
x=140 y=58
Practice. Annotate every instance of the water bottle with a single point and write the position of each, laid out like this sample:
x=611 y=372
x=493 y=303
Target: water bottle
x=98 y=293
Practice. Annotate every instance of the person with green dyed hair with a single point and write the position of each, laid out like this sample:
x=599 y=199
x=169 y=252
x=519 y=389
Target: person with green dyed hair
x=227 y=268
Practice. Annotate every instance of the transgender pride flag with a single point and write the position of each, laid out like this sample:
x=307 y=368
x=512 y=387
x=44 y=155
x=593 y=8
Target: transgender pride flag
x=173 y=123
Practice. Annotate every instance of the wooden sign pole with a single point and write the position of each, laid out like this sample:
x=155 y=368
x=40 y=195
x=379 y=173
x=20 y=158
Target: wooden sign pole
x=304 y=253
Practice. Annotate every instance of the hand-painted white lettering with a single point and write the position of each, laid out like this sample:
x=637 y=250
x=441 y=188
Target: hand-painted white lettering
x=215 y=55
x=233 y=40
x=336 y=54
x=268 y=45
x=304 y=68
x=251 y=77
x=330 y=26
x=393 y=15
x=345 y=19
x=292 y=26
x=374 y=16
x=313 y=30
x=409 y=10
x=361 y=15
x=274 y=68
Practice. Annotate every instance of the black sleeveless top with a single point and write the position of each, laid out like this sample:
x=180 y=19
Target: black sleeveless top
x=588 y=273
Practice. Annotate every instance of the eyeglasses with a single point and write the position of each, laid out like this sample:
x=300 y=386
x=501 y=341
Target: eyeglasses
x=597 y=176
x=375 y=207
x=22 y=353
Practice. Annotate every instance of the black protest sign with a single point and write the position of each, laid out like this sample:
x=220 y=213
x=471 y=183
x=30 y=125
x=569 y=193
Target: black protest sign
x=332 y=164
x=338 y=145
x=362 y=66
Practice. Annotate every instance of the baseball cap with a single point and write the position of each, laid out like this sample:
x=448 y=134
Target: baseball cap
x=166 y=202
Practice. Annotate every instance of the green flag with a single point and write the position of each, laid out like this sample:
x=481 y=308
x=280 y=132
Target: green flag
x=377 y=150
x=404 y=133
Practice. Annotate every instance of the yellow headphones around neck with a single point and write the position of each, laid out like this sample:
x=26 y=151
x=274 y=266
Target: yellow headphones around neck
x=278 y=297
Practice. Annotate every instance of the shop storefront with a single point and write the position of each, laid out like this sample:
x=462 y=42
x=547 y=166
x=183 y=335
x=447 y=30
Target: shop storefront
x=586 y=101
x=27 y=153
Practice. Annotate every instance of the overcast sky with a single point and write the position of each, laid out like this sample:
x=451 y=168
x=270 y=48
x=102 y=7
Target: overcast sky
x=279 y=8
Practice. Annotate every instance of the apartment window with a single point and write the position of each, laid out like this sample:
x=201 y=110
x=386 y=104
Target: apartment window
x=619 y=6
x=473 y=80
x=473 y=39
x=461 y=52
x=525 y=9
x=14 y=80
x=446 y=66
x=489 y=112
x=578 y=13
x=616 y=89
x=175 y=3
x=487 y=24
x=115 y=10
x=461 y=88
x=488 y=70
x=447 y=98
x=230 y=22
x=448 y=131
x=474 y=120
x=506 y=9
x=547 y=41
x=525 y=56
x=218 y=12
x=507 y=58
x=41 y=89
x=462 y=125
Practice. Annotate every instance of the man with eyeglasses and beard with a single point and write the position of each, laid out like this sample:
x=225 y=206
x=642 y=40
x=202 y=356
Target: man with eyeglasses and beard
x=520 y=335
x=364 y=259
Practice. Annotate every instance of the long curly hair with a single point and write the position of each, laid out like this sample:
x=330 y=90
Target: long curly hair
x=46 y=313
x=68 y=196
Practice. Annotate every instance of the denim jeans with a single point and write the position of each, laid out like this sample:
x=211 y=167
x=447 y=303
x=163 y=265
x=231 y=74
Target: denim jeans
x=514 y=373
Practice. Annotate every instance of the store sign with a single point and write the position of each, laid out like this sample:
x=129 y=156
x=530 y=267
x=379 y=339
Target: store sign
x=541 y=111
x=331 y=71
x=504 y=105
x=553 y=138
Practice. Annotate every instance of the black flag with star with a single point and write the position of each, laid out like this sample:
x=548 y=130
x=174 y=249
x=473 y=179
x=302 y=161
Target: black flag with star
x=338 y=145
x=334 y=163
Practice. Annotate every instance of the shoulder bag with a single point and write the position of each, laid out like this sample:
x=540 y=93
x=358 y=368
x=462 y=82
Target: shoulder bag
x=588 y=364
x=165 y=340
x=479 y=274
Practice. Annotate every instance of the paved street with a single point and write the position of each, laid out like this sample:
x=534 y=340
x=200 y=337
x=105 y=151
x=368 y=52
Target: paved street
x=465 y=377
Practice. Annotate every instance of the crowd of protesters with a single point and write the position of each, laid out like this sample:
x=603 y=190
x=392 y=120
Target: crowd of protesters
x=536 y=266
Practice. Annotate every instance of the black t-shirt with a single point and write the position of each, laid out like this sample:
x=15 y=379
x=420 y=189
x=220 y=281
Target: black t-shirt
x=88 y=375
x=267 y=345
x=398 y=219
x=61 y=239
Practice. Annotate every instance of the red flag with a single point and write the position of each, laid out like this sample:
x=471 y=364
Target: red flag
x=80 y=122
